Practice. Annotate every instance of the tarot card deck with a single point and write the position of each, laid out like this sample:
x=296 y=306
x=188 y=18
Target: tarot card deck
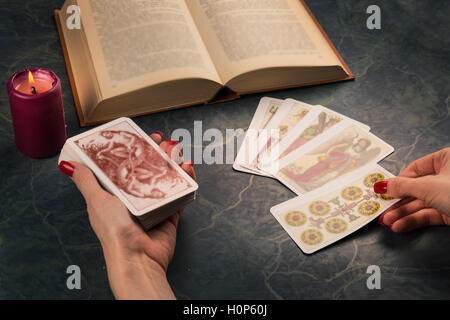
x=130 y=165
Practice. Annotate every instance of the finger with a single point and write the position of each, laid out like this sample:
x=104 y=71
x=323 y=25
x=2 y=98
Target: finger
x=86 y=182
x=164 y=145
x=169 y=145
x=157 y=136
x=173 y=150
x=402 y=211
x=168 y=226
x=188 y=166
x=401 y=187
x=423 y=218
x=175 y=218
x=400 y=203
x=430 y=164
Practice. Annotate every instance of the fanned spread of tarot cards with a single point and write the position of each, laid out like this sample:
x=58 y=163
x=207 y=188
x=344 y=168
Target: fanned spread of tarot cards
x=328 y=159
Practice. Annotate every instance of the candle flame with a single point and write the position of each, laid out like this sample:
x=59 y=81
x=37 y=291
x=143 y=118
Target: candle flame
x=30 y=77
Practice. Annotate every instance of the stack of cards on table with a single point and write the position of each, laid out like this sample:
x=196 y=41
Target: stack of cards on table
x=327 y=159
x=130 y=165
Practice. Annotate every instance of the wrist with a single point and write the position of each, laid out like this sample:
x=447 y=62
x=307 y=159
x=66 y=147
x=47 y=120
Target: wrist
x=133 y=275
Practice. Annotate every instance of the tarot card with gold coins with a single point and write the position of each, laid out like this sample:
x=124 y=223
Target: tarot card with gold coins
x=322 y=217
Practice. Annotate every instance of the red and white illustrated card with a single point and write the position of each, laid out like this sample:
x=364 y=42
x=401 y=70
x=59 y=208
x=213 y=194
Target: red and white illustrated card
x=130 y=165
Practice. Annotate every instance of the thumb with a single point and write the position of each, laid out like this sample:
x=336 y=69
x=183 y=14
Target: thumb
x=401 y=187
x=86 y=182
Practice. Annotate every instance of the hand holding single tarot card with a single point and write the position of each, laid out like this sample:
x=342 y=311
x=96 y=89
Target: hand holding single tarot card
x=129 y=164
x=330 y=213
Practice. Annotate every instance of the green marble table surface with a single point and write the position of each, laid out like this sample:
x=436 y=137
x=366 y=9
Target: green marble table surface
x=229 y=246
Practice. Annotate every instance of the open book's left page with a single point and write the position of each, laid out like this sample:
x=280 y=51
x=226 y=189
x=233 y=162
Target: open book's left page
x=138 y=43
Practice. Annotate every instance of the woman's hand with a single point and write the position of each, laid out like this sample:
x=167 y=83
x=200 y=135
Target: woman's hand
x=425 y=187
x=136 y=261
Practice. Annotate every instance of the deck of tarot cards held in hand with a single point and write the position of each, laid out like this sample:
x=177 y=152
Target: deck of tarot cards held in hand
x=130 y=165
x=327 y=159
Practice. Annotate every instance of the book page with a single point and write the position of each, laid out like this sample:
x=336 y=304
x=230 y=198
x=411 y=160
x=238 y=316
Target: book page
x=137 y=43
x=248 y=35
x=85 y=84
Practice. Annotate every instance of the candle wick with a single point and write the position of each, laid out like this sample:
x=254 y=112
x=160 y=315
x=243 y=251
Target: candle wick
x=33 y=90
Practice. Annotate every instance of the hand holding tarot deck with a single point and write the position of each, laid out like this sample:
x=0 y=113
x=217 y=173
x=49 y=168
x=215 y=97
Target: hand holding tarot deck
x=327 y=159
x=130 y=165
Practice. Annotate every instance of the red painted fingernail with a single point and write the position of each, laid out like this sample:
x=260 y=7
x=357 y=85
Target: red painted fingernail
x=171 y=142
x=159 y=133
x=390 y=228
x=380 y=220
x=380 y=187
x=66 y=168
x=189 y=163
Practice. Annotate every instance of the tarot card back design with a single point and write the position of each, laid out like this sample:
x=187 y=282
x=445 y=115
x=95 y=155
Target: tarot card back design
x=134 y=166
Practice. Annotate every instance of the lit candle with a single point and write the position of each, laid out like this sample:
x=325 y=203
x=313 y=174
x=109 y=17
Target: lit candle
x=37 y=112
x=33 y=86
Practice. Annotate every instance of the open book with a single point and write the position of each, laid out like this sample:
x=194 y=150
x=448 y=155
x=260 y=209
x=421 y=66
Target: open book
x=134 y=57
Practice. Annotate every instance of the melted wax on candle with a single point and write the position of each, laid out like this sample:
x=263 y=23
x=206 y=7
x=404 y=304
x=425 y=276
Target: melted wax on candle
x=34 y=85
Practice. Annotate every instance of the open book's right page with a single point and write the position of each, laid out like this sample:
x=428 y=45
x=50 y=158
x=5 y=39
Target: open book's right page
x=243 y=36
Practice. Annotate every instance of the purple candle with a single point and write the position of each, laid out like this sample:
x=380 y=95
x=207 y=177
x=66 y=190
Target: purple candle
x=37 y=112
